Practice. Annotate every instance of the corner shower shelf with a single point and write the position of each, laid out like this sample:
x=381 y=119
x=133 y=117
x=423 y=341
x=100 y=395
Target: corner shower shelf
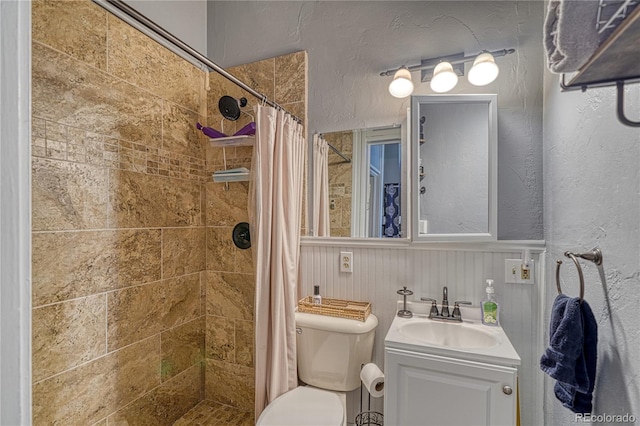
x=243 y=140
x=236 y=177
x=614 y=63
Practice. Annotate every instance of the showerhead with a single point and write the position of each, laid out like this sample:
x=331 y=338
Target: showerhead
x=230 y=107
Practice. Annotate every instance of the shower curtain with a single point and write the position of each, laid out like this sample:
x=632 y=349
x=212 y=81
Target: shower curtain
x=275 y=216
x=320 y=187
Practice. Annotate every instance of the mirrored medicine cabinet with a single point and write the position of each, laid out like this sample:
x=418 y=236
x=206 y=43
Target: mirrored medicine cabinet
x=454 y=173
x=431 y=178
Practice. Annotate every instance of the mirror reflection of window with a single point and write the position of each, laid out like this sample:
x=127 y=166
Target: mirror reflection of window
x=364 y=194
x=376 y=202
x=383 y=193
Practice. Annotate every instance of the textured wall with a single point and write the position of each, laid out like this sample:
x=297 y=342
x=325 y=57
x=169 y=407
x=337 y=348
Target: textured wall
x=230 y=281
x=592 y=198
x=185 y=19
x=118 y=222
x=346 y=91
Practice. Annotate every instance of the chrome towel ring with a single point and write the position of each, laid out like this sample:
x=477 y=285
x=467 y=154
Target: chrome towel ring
x=594 y=256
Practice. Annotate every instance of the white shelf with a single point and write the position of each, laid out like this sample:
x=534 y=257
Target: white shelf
x=237 y=177
x=244 y=140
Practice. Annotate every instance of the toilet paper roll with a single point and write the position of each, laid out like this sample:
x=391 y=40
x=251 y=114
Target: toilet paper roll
x=373 y=379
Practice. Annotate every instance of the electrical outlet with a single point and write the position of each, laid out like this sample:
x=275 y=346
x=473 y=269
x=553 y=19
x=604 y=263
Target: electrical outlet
x=514 y=273
x=346 y=261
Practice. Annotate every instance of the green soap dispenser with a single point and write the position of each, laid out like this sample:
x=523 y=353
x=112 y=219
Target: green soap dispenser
x=490 y=307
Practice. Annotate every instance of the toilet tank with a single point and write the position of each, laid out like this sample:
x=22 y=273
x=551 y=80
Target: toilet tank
x=331 y=350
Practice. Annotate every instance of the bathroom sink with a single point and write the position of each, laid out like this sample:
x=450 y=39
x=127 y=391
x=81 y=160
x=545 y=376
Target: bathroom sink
x=452 y=335
x=469 y=340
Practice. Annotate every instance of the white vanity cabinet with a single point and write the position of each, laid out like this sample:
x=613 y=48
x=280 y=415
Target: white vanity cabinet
x=426 y=389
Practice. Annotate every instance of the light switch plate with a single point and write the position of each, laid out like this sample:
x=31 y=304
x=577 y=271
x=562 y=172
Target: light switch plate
x=513 y=272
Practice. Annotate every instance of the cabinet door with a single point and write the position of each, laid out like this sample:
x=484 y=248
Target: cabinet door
x=433 y=390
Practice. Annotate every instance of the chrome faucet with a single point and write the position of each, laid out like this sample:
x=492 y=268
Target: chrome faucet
x=443 y=314
x=445 y=302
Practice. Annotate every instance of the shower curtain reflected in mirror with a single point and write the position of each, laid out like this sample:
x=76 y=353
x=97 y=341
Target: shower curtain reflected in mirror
x=320 y=187
x=275 y=214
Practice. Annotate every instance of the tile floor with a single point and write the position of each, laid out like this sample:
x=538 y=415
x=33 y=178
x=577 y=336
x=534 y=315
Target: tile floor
x=208 y=413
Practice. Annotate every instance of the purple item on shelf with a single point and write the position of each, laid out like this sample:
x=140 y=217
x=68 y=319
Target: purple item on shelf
x=212 y=133
x=249 y=129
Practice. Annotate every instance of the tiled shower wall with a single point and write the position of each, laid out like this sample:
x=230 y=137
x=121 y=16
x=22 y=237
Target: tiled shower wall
x=230 y=280
x=133 y=265
x=118 y=222
x=340 y=184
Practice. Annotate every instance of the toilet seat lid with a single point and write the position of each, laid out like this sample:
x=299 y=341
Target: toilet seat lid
x=304 y=405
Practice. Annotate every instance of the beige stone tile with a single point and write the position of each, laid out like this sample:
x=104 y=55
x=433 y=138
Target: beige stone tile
x=77 y=28
x=183 y=251
x=244 y=261
x=220 y=339
x=67 y=265
x=182 y=300
x=67 y=334
x=87 y=394
x=298 y=109
x=183 y=347
x=67 y=91
x=67 y=195
x=220 y=249
x=230 y=295
x=179 y=131
x=165 y=404
x=138 y=312
x=141 y=200
x=227 y=208
x=102 y=422
x=230 y=384
x=38 y=128
x=244 y=342
x=258 y=75
x=141 y=61
x=203 y=292
x=290 y=77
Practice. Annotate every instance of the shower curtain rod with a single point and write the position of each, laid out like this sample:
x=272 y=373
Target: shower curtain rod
x=348 y=160
x=177 y=46
x=334 y=149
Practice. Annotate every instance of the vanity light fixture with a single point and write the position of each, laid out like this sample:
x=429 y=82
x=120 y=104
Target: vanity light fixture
x=444 y=78
x=443 y=72
x=484 y=70
x=401 y=86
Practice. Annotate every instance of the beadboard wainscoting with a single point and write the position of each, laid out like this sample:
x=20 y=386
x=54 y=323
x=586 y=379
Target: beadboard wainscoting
x=378 y=272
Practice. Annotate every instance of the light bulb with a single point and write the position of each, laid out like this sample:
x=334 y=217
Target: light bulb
x=484 y=70
x=401 y=86
x=444 y=78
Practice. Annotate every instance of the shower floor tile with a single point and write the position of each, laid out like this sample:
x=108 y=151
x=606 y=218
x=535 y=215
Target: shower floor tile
x=208 y=413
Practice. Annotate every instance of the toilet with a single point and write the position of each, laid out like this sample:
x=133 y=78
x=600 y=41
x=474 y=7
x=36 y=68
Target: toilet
x=331 y=352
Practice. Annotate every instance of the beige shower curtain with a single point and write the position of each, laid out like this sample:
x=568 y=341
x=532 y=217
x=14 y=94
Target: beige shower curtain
x=275 y=216
x=320 y=212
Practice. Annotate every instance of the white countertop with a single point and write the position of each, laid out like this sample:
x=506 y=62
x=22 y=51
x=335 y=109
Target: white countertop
x=502 y=354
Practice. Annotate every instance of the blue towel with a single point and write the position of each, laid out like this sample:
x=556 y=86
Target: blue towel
x=572 y=353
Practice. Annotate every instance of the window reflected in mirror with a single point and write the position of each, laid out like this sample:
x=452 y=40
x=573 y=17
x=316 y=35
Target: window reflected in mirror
x=365 y=194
